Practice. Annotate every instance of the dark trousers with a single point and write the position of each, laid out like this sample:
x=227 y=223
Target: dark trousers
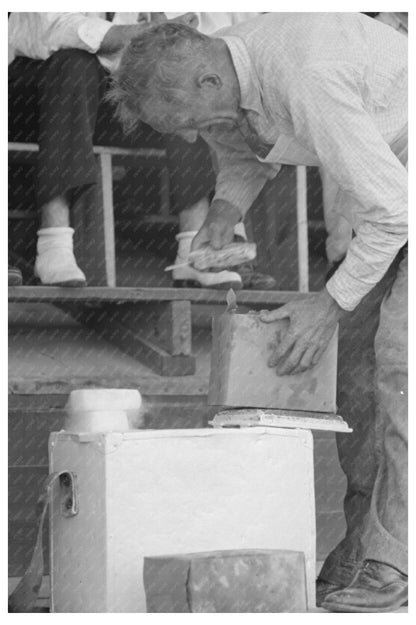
x=372 y=397
x=59 y=104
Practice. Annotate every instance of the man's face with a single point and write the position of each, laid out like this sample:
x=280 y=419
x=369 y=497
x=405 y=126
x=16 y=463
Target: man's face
x=200 y=110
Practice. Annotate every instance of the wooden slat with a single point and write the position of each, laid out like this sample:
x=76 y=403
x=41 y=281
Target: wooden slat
x=143 y=153
x=165 y=193
x=137 y=346
x=106 y=186
x=148 y=294
x=22 y=147
x=149 y=383
x=174 y=327
x=154 y=153
x=121 y=325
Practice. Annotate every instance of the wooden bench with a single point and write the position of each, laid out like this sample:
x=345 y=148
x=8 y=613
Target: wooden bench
x=153 y=324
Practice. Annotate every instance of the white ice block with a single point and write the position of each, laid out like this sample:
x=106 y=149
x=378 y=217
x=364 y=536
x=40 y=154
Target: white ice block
x=156 y=492
x=103 y=409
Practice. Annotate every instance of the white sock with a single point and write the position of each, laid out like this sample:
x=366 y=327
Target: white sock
x=55 y=260
x=49 y=238
x=184 y=240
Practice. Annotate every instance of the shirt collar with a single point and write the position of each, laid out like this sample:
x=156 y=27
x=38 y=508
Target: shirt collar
x=246 y=75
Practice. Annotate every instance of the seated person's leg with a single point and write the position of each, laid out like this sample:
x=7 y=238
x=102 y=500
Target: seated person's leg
x=192 y=182
x=22 y=101
x=68 y=90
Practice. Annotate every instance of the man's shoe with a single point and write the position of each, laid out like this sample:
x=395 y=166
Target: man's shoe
x=376 y=587
x=15 y=277
x=187 y=276
x=323 y=589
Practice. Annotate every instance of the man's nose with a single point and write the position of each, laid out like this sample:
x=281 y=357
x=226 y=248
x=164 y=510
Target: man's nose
x=189 y=135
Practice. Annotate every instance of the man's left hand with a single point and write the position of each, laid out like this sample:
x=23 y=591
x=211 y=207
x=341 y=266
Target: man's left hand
x=312 y=322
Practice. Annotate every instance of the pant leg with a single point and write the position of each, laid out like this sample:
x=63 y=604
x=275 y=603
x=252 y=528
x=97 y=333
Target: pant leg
x=356 y=399
x=23 y=113
x=70 y=88
x=385 y=536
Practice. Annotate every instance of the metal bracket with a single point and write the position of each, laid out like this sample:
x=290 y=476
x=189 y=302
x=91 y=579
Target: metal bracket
x=68 y=502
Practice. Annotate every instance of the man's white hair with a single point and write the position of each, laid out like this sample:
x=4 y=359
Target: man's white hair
x=156 y=63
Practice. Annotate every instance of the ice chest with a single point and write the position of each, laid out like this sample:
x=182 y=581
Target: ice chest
x=148 y=493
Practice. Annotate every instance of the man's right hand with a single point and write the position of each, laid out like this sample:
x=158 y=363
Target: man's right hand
x=218 y=227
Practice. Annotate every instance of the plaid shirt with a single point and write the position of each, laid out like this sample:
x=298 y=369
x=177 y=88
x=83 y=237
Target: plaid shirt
x=326 y=89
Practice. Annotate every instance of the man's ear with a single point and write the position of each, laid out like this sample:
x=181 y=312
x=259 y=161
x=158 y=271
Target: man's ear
x=189 y=19
x=210 y=80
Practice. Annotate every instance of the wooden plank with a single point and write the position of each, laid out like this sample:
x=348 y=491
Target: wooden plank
x=165 y=193
x=139 y=153
x=121 y=327
x=165 y=324
x=50 y=406
x=15 y=146
x=53 y=365
x=105 y=185
x=175 y=328
x=148 y=294
x=182 y=385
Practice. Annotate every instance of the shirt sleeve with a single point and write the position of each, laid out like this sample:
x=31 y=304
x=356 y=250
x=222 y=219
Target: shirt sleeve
x=240 y=175
x=330 y=117
x=39 y=35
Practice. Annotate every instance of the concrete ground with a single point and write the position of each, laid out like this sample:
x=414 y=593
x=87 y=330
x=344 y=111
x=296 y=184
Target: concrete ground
x=43 y=602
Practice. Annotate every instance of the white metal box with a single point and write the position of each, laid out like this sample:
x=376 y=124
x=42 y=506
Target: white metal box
x=155 y=492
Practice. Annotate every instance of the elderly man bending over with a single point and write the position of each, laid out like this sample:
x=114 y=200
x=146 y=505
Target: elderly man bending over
x=311 y=89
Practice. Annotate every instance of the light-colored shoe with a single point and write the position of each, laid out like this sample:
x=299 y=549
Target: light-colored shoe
x=190 y=277
x=15 y=276
x=55 y=263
